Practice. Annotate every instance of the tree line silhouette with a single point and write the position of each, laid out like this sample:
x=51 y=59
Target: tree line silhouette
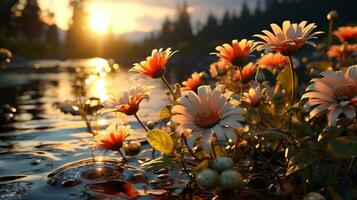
x=24 y=30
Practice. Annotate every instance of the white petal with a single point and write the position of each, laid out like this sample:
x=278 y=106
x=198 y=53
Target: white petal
x=351 y=73
x=333 y=115
x=349 y=112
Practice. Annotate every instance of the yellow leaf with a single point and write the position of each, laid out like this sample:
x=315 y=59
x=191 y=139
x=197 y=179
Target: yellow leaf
x=165 y=112
x=285 y=79
x=161 y=141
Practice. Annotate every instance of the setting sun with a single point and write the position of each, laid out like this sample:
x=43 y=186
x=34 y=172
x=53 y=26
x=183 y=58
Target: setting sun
x=99 y=22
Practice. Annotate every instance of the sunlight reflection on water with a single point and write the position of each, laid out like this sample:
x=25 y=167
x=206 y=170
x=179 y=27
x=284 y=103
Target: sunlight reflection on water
x=40 y=138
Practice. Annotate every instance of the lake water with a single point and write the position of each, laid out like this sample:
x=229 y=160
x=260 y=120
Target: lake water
x=39 y=138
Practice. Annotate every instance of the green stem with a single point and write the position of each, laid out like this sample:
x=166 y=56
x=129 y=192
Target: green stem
x=122 y=155
x=168 y=86
x=140 y=122
x=241 y=81
x=330 y=27
x=146 y=129
x=188 y=148
x=291 y=65
x=182 y=158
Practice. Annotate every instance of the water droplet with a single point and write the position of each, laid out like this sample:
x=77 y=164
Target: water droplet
x=138 y=178
x=35 y=162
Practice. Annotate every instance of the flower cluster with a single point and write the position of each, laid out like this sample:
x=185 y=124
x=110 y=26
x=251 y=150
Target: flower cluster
x=220 y=124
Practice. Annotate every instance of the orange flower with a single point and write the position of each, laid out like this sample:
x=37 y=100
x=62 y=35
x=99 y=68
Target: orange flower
x=218 y=68
x=342 y=51
x=128 y=102
x=289 y=39
x=236 y=53
x=273 y=61
x=192 y=83
x=154 y=65
x=247 y=72
x=114 y=137
x=253 y=97
x=346 y=33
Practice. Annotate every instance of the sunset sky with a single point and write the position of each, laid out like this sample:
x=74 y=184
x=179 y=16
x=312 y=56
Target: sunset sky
x=136 y=15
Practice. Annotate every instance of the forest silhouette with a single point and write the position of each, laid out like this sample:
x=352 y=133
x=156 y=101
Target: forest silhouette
x=25 y=33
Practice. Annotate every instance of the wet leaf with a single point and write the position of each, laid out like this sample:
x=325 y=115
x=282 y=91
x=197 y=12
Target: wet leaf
x=285 y=79
x=343 y=147
x=165 y=113
x=299 y=161
x=161 y=141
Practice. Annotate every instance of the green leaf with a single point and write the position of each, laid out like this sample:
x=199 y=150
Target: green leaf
x=158 y=163
x=320 y=65
x=273 y=134
x=202 y=165
x=161 y=141
x=290 y=151
x=165 y=113
x=342 y=147
x=299 y=161
x=285 y=79
x=352 y=194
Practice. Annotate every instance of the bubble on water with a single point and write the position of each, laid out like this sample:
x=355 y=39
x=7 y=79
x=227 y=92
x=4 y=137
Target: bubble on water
x=35 y=161
x=15 y=190
x=71 y=182
x=138 y=178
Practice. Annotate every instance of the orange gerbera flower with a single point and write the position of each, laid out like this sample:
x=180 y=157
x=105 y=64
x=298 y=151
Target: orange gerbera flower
x=236 y=53
x=289 y=39
x=218 y=68
x=346 y=33
x=247 y=72
x=192 y=83
x=154 y=65
x=114 y=137
x=128 y=102
x=342 y=51
x=273 y=61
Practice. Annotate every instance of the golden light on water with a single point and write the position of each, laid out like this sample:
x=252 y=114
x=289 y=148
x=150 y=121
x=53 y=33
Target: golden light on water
x=99 y=21
x=99 y=88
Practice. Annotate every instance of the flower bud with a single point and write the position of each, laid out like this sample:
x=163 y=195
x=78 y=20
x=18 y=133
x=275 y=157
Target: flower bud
x=259 y=76
x=332 y=15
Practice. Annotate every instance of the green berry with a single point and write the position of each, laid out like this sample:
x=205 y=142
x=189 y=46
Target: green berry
x=207 y=179
x=230 y=180
x=222 y=163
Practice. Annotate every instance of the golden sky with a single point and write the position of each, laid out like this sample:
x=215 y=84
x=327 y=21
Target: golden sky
x=123 y=16
x=137 y=15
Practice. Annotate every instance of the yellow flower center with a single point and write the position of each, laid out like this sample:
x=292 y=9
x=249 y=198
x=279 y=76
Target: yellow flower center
x=207 y=118
x=345 y=93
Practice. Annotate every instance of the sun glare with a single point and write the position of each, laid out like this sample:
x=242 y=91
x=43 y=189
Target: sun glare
x=99 y=21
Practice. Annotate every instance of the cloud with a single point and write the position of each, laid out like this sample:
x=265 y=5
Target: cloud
x=147 y=20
